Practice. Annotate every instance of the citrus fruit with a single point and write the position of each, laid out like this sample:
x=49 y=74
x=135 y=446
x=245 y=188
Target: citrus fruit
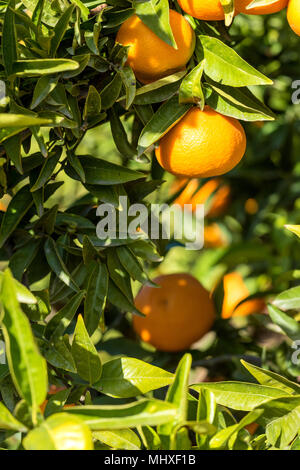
x=277 y=5
x=235 y=291
x=60 y=431
x=214 y=237
x=293 y=15
x=202 y=144
x=251 y=206
x=149 y=56
x=214 y=194
x=178 y=312
x=209 y=10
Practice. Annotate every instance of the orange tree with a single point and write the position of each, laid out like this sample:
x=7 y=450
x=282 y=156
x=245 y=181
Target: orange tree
x=68 y=67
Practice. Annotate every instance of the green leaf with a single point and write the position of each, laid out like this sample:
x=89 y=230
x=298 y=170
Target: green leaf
x=24 y=295
x=95 y=297
x=119 y=135
x=133 y=265
x=221 y=438
x=22 y=121
x=102 y=172
x=44 y=86
x=162 y=121
x=269 y=378
x=17 y=208
x=290 y=326
x=143 y=412
x=47 y=170
x=239 y=103
x=57 y=265
x=224 y=65
x=86 y=357
x=155 y=14
x=191 y=87
x=23 y=257
x=9 y=38
x=111 y=92
x=9 y=422
x=27 y=366
x=13 y=151
x=119 y=275
x=39 y=67
x=129 y=82
x=60 y=29
x=289 y=299
x=127 y=377
x=56 y=402
x=58 y=354
x=60 y=322
x=121 y=439
x=55 y=434
x=178 y=395
x=239 y=395
x=283 y=415
x=84 y=10
x=92 y=106
x=294 y=229
x=117 y=298
x=149 y=437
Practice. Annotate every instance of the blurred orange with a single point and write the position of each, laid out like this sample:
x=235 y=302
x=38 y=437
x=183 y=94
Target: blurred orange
x=251 y=206
x=235 y=291
x=213 y=193
x=214 y=237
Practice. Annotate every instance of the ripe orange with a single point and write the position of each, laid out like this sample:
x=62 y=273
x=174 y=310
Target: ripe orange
x=214 y=194
x=293 y=15
x=214 y=237
x=235 y=291
x=202 y=144
x=2 y=207
x=274 y=7
x=149 y=56
x=178 y=313
x=209 y=10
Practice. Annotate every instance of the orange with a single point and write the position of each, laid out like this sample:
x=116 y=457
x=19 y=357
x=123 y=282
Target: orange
x=235 y=291
x=212 y=193
x=209 y=10
x=178 y=313
x=214 y=237
x=293 y=15
x=202 y=144
x=274 y=7
x=251 y=206
x=2 y=207
x=149 y=56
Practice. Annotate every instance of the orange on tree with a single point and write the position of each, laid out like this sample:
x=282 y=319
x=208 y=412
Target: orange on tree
x=202 y=144
x=214 y=194
x=149 y=56
x=209 y=10
x=60 y=431
x=277 y=5
x=251 y=206
x=235 y=291
x=178 y=312
x=214 y=237
x=293 y=15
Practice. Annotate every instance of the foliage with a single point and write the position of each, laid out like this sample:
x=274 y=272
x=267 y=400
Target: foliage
x=66 y=295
